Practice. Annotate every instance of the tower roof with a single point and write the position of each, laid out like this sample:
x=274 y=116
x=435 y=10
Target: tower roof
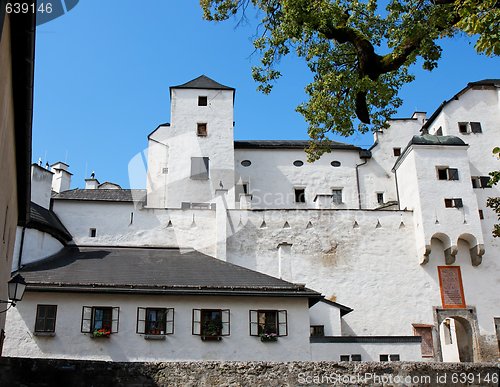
x=202 y=82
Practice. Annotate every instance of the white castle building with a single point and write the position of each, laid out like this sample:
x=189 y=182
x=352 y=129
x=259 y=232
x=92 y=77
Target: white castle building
x=242 y=250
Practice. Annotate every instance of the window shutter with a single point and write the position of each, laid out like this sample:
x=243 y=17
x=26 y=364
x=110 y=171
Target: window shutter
x=141 y=320
x=196 y=322
x=452 y=174
x=169 y=321
x=254 y=323
x=199 y=168
x=225 y=316
x=458 y=203
x=485 y=180
x=282 y=323
x=476 y=127
x=86 y=319
x=115 y=316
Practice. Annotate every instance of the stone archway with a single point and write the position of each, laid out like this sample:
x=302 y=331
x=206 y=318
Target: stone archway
x=457 y=336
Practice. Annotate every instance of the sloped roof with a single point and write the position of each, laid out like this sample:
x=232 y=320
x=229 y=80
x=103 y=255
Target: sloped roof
x=202 y=82
x=45 y=220
x=483 y=82
x=108 y=195
x=152 y=270
x=286 y=144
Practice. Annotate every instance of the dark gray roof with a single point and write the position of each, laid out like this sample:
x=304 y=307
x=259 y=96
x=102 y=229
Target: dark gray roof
x=286 y=144
x=108 y=195
x=157 y=270
x=429 y=139
x=343 y=309
x=202 y=82
x=45 y=220
x=483 y=82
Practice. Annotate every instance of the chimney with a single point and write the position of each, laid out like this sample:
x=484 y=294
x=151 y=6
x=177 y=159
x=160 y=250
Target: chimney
x=91 y=183
x=61 y=180
x=41 y=182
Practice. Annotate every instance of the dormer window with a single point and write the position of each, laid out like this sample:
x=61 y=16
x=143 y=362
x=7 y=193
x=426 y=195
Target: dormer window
x=202 y=100
x=202 y=129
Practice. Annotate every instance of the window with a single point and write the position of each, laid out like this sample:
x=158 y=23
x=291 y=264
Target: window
x=462 y=127
x=201 y=129
x=337 y=196
x=199 y=168
x=164 y=170
x=480 y=182
x=335 y=163
x=298 y=163
x=100 y=320
x=155 y=321
x=246 y=163
x=476 y=127
x=202 y=100
x=396 y=151
x=481 y=215
x=300 y=195
x=439 y=132
x=45 y=318
x=394 y=357
x=345 y=358
x=453 y=203
x=211 y=324
x=469 y=127
x=317 y=330
x=93 y=232
x=445 y=173
x=380 y=197
x=355 y=357
x=268 y=323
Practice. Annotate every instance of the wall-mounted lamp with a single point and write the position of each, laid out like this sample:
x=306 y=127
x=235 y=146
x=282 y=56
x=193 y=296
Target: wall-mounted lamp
x=17 y=285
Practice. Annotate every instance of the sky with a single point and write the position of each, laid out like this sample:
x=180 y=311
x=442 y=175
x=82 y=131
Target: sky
x=103 y=72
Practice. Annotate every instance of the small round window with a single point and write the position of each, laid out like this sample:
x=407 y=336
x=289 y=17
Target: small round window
x=246 y=163
x=335 y=163
x=298 y=163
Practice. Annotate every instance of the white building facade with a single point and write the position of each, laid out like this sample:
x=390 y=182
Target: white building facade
x=400 y=233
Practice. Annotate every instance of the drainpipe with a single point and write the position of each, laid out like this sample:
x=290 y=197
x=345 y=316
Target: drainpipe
x=20 y=257
x=363 y=154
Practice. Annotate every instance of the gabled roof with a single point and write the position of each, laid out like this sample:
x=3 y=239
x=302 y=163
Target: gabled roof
x=152 y=270
x=108 y=195
x=202 y=82
x=45 y=220
x=287 y=144
x=470 y=85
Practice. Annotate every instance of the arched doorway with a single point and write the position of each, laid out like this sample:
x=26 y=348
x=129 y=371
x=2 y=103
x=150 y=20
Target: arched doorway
x=457 y=333
x=456 y=340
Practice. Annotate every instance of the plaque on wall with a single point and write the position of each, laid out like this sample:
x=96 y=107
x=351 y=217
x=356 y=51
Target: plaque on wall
x=450 y=284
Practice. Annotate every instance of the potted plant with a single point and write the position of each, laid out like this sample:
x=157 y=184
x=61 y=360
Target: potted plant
x=103 y=332
x=211 y=330
x=268 y=337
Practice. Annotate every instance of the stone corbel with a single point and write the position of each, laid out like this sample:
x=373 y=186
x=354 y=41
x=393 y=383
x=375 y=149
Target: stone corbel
x=425 y=256
x=450 y=254
x=476 y=254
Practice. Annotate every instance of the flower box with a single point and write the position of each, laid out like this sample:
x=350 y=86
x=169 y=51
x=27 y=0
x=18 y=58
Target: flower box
x=268 y=338
x=211 y=338
x=101 y=333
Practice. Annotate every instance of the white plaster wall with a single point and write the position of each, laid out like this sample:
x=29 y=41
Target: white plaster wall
x=328 y=316
x=183 y=143
x=37 y=245
x=127 y=345
x=368 y=351
x=272 y=177
x=41 y=183
x=112 y=221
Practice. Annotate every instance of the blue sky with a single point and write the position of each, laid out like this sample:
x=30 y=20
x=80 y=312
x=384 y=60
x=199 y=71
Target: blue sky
x=103 y=70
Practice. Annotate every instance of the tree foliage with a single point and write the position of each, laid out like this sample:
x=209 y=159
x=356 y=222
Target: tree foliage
x=358 y=51
x=494 y=203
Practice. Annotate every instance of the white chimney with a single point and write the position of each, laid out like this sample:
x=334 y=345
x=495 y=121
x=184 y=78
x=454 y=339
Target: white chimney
x=91 y=183
x=61 y=180
x=41 y=182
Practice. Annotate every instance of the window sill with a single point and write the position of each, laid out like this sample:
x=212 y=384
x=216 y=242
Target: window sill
x=155 y=337
x=44 y=334
x=211 y=338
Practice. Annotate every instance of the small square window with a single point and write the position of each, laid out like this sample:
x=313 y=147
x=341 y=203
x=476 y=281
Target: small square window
x=442 y=173
x=345 y=357
x=317 y=330
x=211 y=323
x=475 y=127
x=394 y=357
x=355 y=357
x=202 y=100
x=202 y=130
x=448 y=203
x=384 y=357
x=100 y=320
x=380 y=197
x=300 y=195
x=155 y=321
x=396 y=151
x=45 y=318
x=270 y=323
x=337 y=196
x=462 y=127
x=92 y=232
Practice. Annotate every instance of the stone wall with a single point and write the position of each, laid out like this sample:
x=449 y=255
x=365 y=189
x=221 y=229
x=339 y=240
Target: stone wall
x=41 y=373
